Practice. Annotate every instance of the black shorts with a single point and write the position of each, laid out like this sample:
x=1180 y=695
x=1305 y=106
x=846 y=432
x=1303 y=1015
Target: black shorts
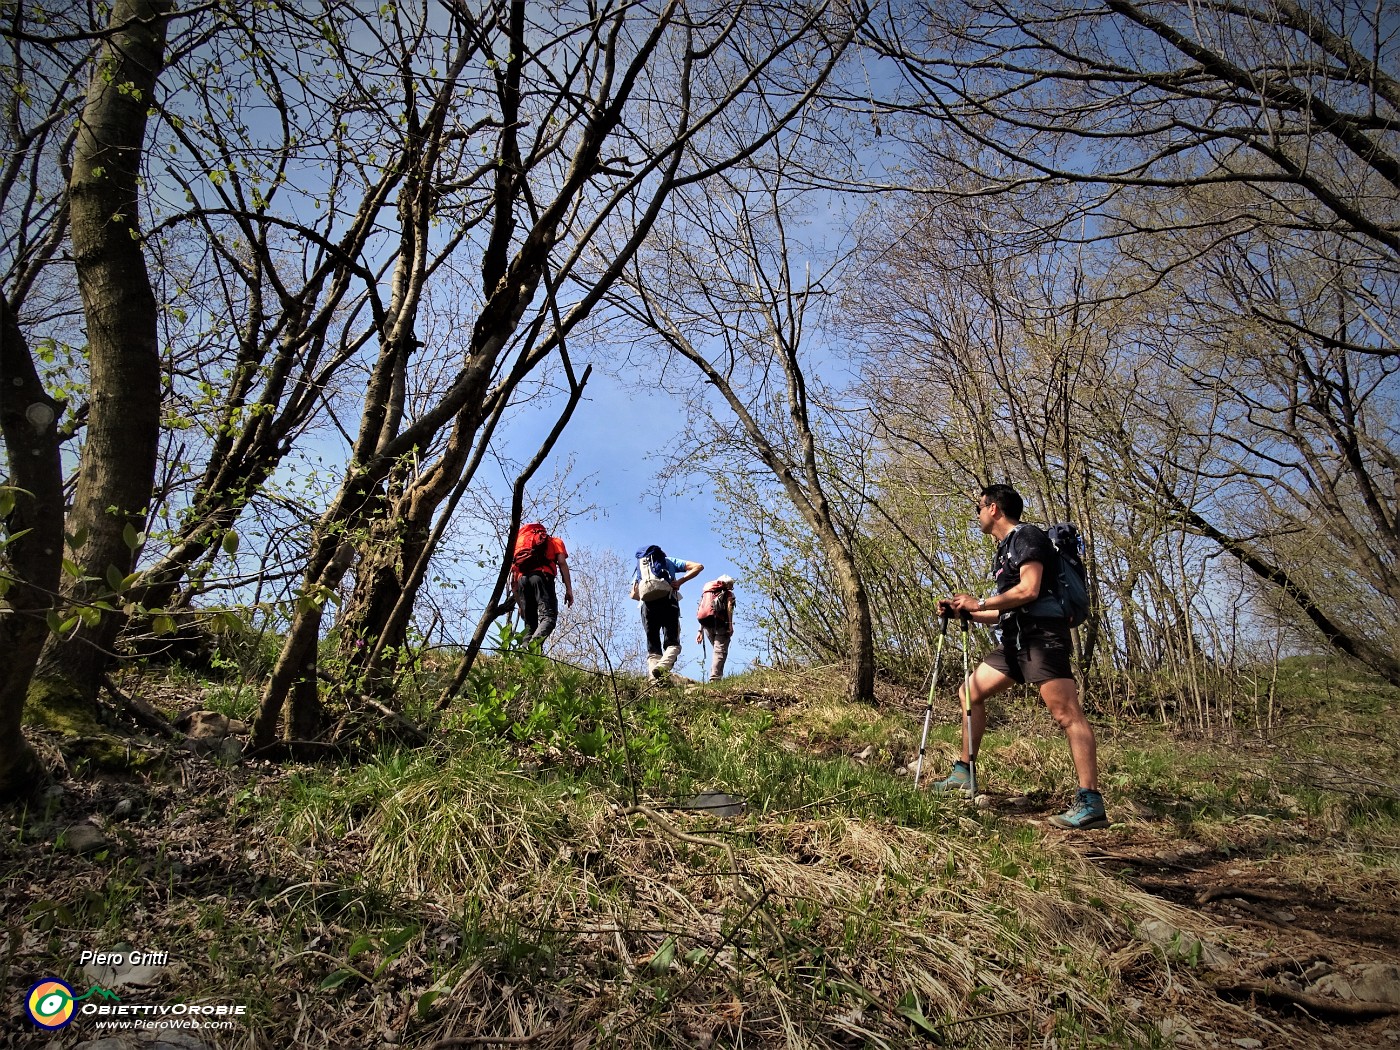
x=1033 y=650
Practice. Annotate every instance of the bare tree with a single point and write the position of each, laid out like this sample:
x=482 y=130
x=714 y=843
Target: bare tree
x=987 y=359
x=1291 y=437
x=593 y=122
x=1296 y=100
x=44 y=88
x=1253 y=142
x=722 y=289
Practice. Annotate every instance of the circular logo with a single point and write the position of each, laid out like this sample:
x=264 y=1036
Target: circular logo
x=50 y=1004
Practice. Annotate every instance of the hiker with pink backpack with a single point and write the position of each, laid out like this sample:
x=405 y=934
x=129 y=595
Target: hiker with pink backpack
x=716 y=616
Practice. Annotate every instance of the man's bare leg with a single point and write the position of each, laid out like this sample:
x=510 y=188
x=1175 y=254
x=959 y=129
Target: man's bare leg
x=986 y=681
x=1061 y=696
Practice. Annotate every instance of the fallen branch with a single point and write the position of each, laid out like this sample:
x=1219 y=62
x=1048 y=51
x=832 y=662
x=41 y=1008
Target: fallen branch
x=1321 y=1005
x=1262 y=914
x=146 y=716
x=1281 y=963
x=1248 y=893
x=414 y=733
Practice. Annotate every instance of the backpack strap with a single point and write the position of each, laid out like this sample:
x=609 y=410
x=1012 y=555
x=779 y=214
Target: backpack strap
x=1050 y=602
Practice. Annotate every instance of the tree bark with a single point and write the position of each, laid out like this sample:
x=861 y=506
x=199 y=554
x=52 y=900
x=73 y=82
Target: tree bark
x=860 y=634
x=117 y=466
x=28 y=422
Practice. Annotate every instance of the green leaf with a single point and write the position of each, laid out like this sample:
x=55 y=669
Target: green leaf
x=426 y=1000
x=665 y=956
x=225 y=622
x=55 y=621
x=7 y=501
x=162 y=624
x=399 y=940
x=71 y=568
x=230 y=542
x=908 y=1008
x=114 y=578
x=696 y=956
x=336 y=979
x=361 y=945
x=131 y=536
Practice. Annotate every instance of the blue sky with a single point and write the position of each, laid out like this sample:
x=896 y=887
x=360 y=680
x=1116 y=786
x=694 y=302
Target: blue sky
x=612 y=437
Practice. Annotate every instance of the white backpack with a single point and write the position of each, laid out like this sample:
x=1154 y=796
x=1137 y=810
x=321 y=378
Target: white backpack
x=657 y=580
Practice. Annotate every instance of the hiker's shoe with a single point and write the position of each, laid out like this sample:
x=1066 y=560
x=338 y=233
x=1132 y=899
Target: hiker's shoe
x=958 y=780
x=660 y=673
x=1087 y=812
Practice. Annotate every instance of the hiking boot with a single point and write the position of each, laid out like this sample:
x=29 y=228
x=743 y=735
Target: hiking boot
x=660 y=673
x=958 y=780
x=1087 y=812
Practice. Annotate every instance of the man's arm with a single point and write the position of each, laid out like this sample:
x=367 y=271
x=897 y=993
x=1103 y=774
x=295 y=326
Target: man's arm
x=563 y=562
x=692 y=570
x=1027 y=590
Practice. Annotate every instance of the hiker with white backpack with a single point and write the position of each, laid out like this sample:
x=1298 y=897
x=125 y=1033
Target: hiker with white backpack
x=1035 y=602
x=716 y=616
x=656 y=584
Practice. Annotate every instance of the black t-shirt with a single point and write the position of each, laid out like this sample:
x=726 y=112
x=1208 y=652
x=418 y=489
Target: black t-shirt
x=1023 y=544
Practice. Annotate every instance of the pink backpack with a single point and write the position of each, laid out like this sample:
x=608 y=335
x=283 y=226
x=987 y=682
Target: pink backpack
x=716 y=604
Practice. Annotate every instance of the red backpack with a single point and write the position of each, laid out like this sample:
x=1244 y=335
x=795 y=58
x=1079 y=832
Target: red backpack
x=531 y=549
x=716 y=601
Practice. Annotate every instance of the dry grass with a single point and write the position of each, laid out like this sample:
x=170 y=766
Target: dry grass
x=445 y=898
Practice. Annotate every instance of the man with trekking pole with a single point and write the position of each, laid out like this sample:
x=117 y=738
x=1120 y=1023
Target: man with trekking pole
x=1035 y=650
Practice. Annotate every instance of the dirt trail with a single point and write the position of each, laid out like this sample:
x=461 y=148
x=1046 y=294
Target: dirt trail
x=1282 y=926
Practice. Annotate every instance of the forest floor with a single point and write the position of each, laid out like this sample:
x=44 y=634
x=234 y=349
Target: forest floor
x=470 y=893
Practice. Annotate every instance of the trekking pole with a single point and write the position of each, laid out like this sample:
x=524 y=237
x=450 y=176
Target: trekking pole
x=967 y=714
x=932 y=685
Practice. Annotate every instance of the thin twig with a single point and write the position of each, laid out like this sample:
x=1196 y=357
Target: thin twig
x=621 y=722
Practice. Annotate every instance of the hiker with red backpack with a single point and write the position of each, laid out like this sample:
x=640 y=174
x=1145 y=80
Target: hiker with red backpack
x=716 y=616
x=656 y=584
x=538 y=558
x=1034 y=604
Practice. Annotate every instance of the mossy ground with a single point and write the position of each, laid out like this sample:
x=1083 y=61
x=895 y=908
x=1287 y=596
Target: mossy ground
x=86 y=740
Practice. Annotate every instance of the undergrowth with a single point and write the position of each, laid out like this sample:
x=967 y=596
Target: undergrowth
x=535 y=873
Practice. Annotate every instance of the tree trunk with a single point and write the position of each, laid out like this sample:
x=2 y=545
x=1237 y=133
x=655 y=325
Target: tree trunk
x=860 y=634
x=383 y=574
x=117 y=466
x=28 y=422
x=291 y=690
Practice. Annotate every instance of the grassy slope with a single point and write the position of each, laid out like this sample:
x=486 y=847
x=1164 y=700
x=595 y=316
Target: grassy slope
x=494 y=886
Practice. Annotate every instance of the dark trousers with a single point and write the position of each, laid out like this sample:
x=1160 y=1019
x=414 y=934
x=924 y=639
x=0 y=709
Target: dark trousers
x=661 y=620
x=539 y=605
